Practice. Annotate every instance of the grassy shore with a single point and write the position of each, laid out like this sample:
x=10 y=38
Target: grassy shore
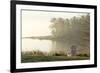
x=30 y=58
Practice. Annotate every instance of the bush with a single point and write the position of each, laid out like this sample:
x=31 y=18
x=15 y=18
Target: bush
x=83 y=55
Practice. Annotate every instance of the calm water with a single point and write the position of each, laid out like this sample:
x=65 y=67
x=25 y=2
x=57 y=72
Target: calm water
x=34 y=44
x=44 y=45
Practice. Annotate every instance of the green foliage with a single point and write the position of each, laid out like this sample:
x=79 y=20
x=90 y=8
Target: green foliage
x=83 y=55
x=30 y=58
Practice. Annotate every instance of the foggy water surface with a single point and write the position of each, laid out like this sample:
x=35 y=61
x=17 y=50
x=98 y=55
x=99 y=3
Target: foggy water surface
x=44 y=45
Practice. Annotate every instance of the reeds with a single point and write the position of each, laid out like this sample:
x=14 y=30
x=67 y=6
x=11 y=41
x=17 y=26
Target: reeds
x=40 y=53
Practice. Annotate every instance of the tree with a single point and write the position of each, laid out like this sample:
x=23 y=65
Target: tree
x=57 y=27
x=75 y=30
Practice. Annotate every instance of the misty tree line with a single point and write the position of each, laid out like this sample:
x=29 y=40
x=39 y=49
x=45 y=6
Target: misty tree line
x=75 y=30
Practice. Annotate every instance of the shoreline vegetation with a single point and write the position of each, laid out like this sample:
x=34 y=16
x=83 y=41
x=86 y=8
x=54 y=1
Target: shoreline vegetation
x=38 y=56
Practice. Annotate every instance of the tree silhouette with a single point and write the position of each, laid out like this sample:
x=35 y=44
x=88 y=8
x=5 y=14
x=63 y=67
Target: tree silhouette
x=75 y=30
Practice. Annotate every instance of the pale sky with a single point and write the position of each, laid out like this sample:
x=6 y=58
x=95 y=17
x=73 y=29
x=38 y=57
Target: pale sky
x=36 y=23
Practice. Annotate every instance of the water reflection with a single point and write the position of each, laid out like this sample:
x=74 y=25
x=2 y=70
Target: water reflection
x=45 y=45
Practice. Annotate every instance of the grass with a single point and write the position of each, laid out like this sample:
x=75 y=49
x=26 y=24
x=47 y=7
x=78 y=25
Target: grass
x=40 y=57
x=50 y=58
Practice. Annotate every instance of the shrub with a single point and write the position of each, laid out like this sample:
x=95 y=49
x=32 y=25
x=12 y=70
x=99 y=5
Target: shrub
x=83 y=55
